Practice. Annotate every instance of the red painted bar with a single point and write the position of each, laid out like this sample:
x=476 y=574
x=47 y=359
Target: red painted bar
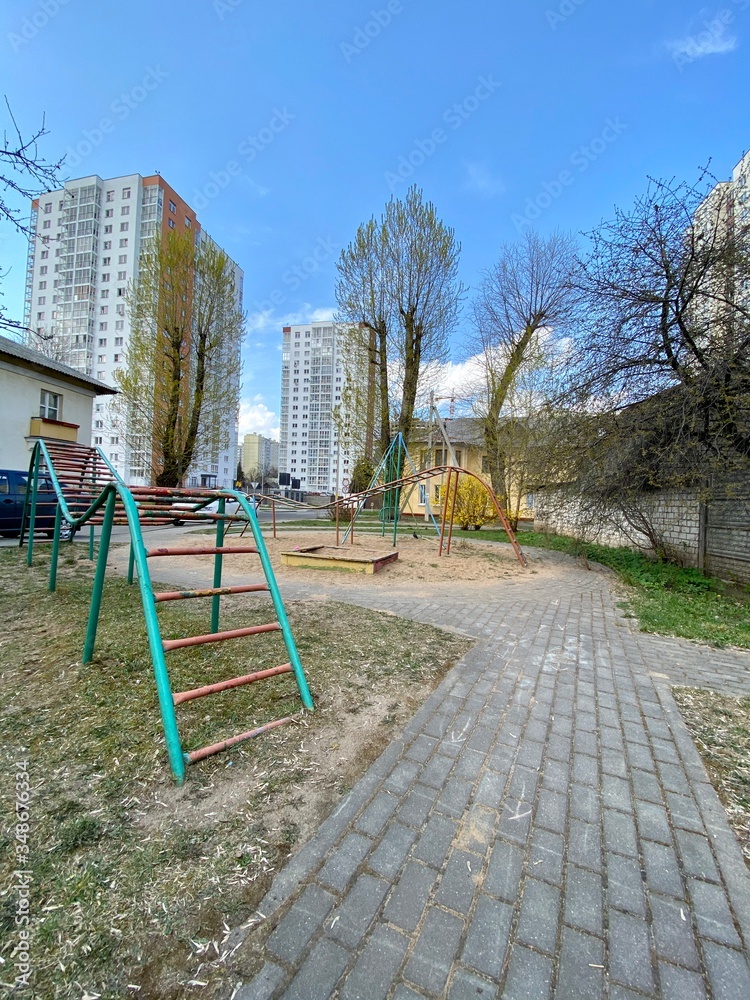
x=207 y=551
x=178 y=595
x=232 y=741
x=259 y=675
x=237 y=633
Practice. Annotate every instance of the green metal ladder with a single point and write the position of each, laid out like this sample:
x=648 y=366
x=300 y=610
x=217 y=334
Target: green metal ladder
x=78 y=475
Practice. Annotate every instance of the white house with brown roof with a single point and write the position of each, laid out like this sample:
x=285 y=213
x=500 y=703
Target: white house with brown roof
x=41 y=398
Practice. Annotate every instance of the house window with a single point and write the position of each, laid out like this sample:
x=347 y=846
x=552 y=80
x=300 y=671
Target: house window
x=118 y=358
x=171 y=223
x=103 y=310
x=102 y=342
x=43 y=268
x=108 y=213
x=98 y=424
x=48 y=208
x=107 y=229
x=108 y=244
x=172 y=207
x=105 y=277
x=122 y=275
x=126 y=192
x=114 y=440
x=436 y=493
x=122 y=259
x=50 y=405
x=118 y=341
x=422 y=495
x=101 y=359
x=106 y=261
x=124 y=226
x=188 y=223
x=124 y=243
x=104 y=294
x=110 y=195
x=120 y=291
x=125 y=210
x=98 y=440
x=46 y=224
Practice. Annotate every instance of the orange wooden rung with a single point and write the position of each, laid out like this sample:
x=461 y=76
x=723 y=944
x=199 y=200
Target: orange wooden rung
x=259 y=675
x=233 y=740
x=237 y=633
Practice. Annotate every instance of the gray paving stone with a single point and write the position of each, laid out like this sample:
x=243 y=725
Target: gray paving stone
x=454 y=796
x=662 y=869
x=625 y=885
x=504 y=870
x=404 y=993
x=402 y=775
x=376 y=968
x=619 y=833
x=436 y=771
x=711 y=910
x=320 y=972
x=435 y=841
x=684 y=812
x=490 y=789
x=680 y=984
x=539 y=915
x=529 y=975
x=696 y=855
x=546 y=856
x=459 y=881
x=616 y=793
x=469 y=764
x=351 y=920
x=417 y=805
x=487 y=938
x=629 y=952
x=421 y=748
x=392 y=850
x=477 y=829
x=728 y=972
x=264 y=985
x=551 y=810
x=583 y=900
x=580 y=967
x=433 y=954
x=377 y=814
x=556 y=775
x=289 y=939
x=584 y=845
x=673 y=932
x=343 y=863
x=515 y=820
x=467 y=986
x=653 y=822
x=407 y=902
x=584 y=803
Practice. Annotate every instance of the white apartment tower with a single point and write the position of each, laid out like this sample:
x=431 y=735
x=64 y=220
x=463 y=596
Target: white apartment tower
x=88 y=238
x=311 y=449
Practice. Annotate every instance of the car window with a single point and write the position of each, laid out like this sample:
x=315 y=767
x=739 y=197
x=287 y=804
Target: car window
x=22 y=481
x=4 y=485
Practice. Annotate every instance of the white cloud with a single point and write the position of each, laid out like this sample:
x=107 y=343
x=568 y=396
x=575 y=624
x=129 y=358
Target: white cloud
x=268 y=321
x=480 y=180
x=712 y=39
x=256 y=418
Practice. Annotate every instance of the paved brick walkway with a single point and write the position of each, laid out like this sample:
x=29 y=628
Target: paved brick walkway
x=542 y=828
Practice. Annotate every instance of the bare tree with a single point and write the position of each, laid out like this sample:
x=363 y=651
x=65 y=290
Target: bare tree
x=524 y=301
x=25 y=174
x=398 y=284
x=180 y=385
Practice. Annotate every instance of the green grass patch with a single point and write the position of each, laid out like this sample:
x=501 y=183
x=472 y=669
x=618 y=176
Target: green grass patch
x=134 y=880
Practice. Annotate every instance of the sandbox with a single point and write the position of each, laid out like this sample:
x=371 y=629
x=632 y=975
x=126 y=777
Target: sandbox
x=338 y=557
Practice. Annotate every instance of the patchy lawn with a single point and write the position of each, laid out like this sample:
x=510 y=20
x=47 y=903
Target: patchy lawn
x=136 y=882
x=720 y=726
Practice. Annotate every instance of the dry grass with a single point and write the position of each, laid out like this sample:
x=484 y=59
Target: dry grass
x=720 y=727
x=136 y=883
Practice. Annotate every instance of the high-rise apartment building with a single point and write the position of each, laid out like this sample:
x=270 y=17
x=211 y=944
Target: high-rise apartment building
x=313 y=446
x=87 y=242
x=259 y=454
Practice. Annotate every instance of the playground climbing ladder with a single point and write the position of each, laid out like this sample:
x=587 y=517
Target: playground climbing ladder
x=90 y=492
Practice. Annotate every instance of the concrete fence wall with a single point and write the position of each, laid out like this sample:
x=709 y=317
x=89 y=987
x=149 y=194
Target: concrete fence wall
x=714 y=537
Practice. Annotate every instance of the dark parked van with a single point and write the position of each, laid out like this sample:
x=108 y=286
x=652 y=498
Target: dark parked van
x=13 y=486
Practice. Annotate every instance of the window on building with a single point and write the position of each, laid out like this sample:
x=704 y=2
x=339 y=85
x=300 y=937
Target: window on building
x=98 y=424
x=126 y=193
x=102 y=326
x=43 y=268
x=50 y=405
x=42 y=285
x=120 y=292
x=107 y=229
x=110 y=195
x=100 y=376
x=124 y=243
x=122 y=275
x=41 y=300
x=98 y=440
x=106 y=261
x=119 y=325
x=40 y=315
x=47 y=224
x=114 y=440
x=104 y=293
x=101 y=359
x=118 y=358
x=108 y=213
x=48 y=208
x=172 y=206
x=125 y=210
x=44 y=254
x=124 y=226
x=170 y=222
x=188 y=223
x=122 y=259
x=120 y=309
x=105 y=276
x=102 y=342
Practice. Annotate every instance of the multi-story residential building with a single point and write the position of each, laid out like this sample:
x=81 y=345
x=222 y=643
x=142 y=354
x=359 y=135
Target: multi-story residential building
x=87 y=242
x=259 y=454
x=313 y=446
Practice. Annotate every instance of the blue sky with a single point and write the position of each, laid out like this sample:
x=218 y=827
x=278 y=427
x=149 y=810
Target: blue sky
x=288 y=124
